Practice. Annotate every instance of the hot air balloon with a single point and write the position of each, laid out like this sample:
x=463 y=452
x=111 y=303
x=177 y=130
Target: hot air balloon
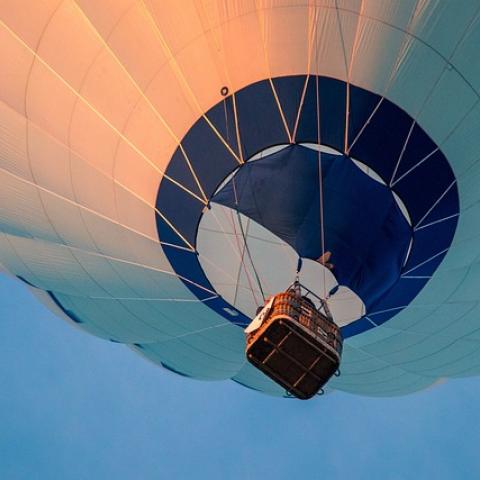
x=165 y=165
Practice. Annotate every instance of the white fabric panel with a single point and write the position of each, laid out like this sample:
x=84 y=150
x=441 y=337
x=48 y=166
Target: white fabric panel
x=13 y=150
x=334 y=43
x=286 y=38
x=21 y=210
x=79 y=44
x=66 y=217
x=121 y=241
x=155 y=134
x=29 y=23
x=418 y=70
x=50 y=267
x=52 y=115
x=468 y=184
x=155 y=319
x=13 y=263
x=467 y=365
x=233 y=54
x=435 y=364
x=50 y=161
x=107 y=14
x=449 y=103
x=47 y=300
x=401 y=385
x=370 y=375
x=442 y=25
x=373 y=335
x=460 y=146
x=113 y=99
x=198 y=356
x=404 y=348
x=430 y=319
x=465 y=56
x=398 y=14
x=92 y=189
x=13 y=83
x=443 y=284
x=376 y=55
x=118 y=321
x=79 y=272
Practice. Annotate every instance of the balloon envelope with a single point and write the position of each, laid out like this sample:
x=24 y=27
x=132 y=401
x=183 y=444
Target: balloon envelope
x=126 y=126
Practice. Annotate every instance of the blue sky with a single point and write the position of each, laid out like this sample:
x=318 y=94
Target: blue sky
x=76 y=407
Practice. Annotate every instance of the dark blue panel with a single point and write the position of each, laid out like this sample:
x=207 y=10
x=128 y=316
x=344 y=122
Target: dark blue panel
x=380 y=144
x=428 y=268
x=289 y=91
x=332 y=107
x=430 y=182
x=222 y=116
x=182 y=173
x=259 y=118
x=167 y=235
x=308 y=122
x=400 y=295
x=357 y=327
x=261 y=188
x=382 y=316
x=444 y=209
x=365 y=226
x=204 y=148
x=179 y=218
x=428 y=243
x=362 y=106
x=418 y=147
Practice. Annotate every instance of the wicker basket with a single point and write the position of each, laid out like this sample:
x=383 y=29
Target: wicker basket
x=296 y=345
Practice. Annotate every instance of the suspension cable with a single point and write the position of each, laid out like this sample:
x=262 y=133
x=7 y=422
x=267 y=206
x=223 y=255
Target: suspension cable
x=320 y=181
x=257 y=278
x=247 y=249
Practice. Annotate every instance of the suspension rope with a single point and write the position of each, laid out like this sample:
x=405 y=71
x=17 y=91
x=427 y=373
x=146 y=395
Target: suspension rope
x=257 y=278
x=320 y=182
x=242 y=264
x=241 y=251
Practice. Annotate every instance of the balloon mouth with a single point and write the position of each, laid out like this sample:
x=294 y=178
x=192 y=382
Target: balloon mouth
x=387 y=142
x=304 y=201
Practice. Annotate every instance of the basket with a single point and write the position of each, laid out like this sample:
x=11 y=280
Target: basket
x=296 y=345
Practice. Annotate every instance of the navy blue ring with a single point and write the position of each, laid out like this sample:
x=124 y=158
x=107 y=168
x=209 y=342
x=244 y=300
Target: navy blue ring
x=427 y=188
